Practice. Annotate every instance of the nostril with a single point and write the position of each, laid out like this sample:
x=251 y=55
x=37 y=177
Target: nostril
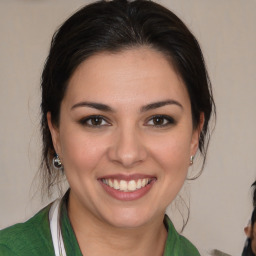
x=127 y=147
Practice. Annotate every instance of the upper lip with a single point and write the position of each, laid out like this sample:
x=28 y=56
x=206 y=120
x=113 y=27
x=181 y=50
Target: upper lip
x=127 y=177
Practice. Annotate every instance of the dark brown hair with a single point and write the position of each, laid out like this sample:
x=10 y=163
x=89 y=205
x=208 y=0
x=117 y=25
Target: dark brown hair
x=113 y=26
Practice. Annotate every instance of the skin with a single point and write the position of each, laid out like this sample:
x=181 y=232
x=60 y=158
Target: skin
x=127 y=140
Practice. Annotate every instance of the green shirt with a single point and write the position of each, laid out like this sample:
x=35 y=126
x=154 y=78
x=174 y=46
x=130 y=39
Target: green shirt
x=34 y=238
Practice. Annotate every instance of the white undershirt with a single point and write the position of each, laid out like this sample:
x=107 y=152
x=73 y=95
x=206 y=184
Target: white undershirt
x=54 y=218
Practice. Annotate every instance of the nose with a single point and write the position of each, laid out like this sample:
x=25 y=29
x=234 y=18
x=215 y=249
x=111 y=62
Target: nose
x=128 y=148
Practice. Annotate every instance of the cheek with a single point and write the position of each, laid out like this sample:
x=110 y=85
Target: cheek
x=172 y=152
x=81 y=153
x=172 y=156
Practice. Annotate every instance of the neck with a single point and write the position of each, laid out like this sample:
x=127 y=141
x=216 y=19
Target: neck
x=96 y=237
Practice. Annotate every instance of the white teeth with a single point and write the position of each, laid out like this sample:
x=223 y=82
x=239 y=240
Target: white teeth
x=111 y=183
x=143 y=182
x=138 y=184
x=126 y=186
x=116 y=184
x=123 y=185
x=132 y=185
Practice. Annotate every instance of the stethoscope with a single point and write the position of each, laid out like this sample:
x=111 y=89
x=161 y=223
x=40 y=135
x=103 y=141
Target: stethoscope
x=54 y=218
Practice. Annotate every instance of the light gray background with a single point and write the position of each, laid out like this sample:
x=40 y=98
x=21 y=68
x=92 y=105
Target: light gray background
x=221 y=197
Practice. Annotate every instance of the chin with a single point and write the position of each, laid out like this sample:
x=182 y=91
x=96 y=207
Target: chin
x=129 y=218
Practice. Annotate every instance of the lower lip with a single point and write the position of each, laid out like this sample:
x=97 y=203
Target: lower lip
x=127 y=196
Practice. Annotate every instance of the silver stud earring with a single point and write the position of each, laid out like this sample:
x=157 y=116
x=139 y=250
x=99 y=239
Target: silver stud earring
x=57 y=163
x=192 y=160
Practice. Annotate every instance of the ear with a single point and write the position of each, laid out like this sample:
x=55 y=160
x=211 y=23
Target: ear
x=54 y=133
x=196 y=135
x=248 y=231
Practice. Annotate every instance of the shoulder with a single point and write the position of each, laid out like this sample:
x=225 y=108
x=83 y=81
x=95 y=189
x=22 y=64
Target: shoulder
x=176 y=244
x=187 y=247
x=32 y=237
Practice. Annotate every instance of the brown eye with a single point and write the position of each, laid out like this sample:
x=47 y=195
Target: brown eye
x=94 y=121
x=160 y=121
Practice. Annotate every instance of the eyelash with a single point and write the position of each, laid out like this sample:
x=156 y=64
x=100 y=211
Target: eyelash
x=85 y=121
x=167 y=120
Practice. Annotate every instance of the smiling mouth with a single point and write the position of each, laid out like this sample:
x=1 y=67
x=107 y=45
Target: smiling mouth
x=127 y=186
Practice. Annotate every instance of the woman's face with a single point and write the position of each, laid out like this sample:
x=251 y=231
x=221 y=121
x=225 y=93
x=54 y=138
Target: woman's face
x=125 y=136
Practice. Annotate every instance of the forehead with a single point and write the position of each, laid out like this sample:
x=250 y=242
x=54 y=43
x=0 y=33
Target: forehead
x=128 y=75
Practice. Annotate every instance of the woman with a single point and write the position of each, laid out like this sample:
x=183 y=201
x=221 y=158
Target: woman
x=126 y=103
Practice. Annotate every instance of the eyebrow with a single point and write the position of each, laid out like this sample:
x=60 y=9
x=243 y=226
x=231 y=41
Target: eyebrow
x=95 y=105
x=106 y=108
x=160 y=104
